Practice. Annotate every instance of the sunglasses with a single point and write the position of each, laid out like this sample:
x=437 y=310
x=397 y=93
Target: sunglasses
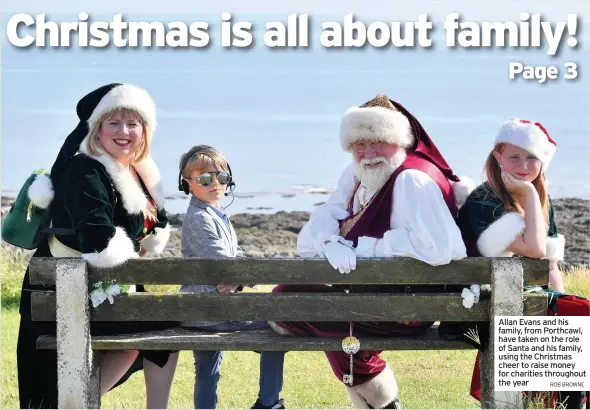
x=206 y=178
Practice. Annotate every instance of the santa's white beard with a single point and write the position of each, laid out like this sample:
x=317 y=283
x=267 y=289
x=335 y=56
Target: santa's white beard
x=374 y=178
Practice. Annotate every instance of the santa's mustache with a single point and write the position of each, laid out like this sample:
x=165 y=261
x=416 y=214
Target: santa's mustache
x=372 y=161
x=375 y=177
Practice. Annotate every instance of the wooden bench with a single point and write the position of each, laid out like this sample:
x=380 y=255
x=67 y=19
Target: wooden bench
x=78 y=373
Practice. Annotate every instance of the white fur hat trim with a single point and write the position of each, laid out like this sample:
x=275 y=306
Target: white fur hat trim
x=528 y=136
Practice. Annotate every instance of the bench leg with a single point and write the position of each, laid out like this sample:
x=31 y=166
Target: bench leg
x=506 y=300
x=94 y=382
x=74 y=356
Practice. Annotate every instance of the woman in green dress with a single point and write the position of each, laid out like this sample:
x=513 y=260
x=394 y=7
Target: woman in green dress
x=105 y=195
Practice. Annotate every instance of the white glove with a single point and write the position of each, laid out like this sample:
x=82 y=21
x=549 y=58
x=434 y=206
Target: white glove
x=341 y=257
x=470 y=296
x=475 y=289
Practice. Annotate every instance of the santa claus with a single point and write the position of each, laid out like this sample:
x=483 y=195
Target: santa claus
x=398 y=197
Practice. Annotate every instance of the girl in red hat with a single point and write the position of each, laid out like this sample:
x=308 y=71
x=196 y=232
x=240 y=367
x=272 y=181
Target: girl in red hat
x=512 y=214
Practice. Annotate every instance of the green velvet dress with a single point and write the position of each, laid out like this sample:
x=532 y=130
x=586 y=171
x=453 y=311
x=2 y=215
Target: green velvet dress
x=101 y=211
x=488 y=228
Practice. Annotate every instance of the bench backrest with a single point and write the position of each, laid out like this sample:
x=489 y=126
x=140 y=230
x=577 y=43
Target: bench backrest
x=507 y=275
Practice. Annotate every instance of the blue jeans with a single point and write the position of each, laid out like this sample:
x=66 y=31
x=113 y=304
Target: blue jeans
x=208 y=365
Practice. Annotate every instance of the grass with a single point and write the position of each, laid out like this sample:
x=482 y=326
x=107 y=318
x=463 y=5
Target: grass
x=435 y=379
x=13 y=267
x=427 y=379
x=577 y=281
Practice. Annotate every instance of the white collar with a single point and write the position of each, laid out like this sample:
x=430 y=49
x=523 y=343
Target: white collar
x=365 y=194
x=134 y=199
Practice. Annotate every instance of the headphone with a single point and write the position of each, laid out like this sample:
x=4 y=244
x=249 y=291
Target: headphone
x=183 y=183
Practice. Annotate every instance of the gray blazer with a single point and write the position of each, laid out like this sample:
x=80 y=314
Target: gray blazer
x=206 y=235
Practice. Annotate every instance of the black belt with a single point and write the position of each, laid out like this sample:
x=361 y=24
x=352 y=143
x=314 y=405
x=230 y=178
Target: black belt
x=59 y=231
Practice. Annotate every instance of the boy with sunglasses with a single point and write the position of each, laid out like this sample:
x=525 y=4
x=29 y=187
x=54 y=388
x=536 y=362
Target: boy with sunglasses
x=208 y=233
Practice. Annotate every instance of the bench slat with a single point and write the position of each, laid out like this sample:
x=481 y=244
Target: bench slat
x=277 y=307
x=254 y=340
x=273 y=306
x=169 y=271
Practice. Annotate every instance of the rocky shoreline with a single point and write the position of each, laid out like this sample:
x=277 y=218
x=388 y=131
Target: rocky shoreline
x=275 y=235
x=572 y=217
x=262 y=235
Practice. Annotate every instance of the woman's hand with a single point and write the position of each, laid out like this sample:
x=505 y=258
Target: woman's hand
x=533 y=242
x=142 y=252
x=516 y=186
x=227 y=288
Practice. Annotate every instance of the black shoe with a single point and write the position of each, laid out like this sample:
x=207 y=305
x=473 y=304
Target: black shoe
x=394 y=404
x=278 y=405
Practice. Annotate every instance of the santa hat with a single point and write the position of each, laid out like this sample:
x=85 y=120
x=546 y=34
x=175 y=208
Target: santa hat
x=533 y=138
x=382 y=119
x=376 y=120
x=90 y=109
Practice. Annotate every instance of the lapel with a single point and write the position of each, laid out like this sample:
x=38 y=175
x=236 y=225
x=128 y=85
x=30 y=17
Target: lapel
x=234 y=238
x=219 y=221
x=134 y=199
x=230 y=235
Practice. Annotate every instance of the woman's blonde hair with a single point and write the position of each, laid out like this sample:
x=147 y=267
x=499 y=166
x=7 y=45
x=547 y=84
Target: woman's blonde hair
x=94 y=147
x=493 y=174
x=199 y=158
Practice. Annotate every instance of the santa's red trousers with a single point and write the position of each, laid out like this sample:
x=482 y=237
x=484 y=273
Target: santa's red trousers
x=366 y=364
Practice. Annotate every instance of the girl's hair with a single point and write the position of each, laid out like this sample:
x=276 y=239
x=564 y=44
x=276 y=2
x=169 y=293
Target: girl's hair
x=494 y=177
x=199 y=158
x=94 y=147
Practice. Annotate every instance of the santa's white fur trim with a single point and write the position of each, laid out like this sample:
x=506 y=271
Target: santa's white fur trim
x=150 y=175
x=527 y=136
x=555 y=249
x=126 y=96
x=462 y=189
x=380 y=390
x=496 y=239
x=376 y=124
x=118 y=250
x=134 y=199
x=278 y=329
x=41 y=191
x=356 y=399
x=156 y=242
